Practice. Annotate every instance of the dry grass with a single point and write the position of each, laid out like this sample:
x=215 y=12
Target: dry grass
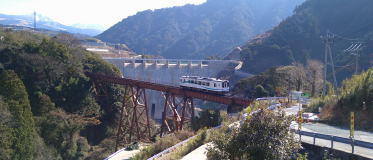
x=162 y=144
x=191 y=145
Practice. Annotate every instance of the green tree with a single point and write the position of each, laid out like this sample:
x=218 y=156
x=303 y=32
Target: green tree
x=260 y=91
x=15 y=95
x=6 y=126
x=43 y=105
x=207 y=118
x=263 y=136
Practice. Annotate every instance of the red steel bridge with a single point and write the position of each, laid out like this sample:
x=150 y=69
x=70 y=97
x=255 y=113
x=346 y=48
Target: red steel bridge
x=178 y=108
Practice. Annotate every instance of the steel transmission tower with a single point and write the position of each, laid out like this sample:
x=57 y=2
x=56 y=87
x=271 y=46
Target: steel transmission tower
x=328 y=40
x=34 y=20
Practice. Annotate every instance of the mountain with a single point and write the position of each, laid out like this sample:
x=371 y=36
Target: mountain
x=198 y=31
x=45 y=23
x=297 y=39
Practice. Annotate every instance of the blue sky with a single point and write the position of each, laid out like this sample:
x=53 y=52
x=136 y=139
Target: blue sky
x=102 y=12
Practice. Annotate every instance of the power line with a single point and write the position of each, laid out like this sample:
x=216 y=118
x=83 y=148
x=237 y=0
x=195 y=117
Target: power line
x=354 y=49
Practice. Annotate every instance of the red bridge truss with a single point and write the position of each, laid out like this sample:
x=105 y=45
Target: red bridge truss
x=178 y=108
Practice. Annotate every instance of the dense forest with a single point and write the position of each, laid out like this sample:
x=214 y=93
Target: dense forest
x=213 y=28
x=48 y=108
x=297 y=39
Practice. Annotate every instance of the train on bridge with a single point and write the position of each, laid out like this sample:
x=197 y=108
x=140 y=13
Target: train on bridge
x=205 y=84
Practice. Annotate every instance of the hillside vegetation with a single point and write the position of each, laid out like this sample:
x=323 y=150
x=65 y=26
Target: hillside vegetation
x=198 y=31
x=47 y=107
x=356 y=95
x=278 y=81
x=297 y=39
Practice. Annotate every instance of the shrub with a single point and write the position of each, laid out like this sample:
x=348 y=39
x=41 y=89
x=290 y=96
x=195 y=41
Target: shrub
x=162 y=144
x=263 y=136
x=207 y=118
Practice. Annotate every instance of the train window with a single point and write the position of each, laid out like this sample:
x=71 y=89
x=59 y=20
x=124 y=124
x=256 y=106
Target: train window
x=199 y=82
x=214 y=84
x=207 y=84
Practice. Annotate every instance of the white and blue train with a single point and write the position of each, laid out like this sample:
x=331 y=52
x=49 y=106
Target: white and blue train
x=205 y=84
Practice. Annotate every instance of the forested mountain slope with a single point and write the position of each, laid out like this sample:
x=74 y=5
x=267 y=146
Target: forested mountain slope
x=297 y=39
x=48 y=109
x=198 y=31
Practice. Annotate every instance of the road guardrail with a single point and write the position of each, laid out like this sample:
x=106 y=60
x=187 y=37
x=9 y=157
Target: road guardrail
x=333 y=139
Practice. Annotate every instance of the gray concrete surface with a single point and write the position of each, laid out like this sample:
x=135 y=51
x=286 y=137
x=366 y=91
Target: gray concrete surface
x=197 y=154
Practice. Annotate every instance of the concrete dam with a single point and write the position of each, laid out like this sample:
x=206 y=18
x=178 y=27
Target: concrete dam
x=167 y=71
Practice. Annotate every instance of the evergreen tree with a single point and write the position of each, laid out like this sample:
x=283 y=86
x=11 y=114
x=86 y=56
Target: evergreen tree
x=16 y=97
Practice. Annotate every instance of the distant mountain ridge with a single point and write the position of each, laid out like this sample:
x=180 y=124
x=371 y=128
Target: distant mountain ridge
x=198 y=31
x=297 y=39
x=45 y=23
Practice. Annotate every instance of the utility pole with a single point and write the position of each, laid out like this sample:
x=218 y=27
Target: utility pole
x=354 y=50
x=328 y=40
x=34 y=20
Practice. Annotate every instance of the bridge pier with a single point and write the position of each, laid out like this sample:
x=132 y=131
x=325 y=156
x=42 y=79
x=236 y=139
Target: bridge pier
x=134 y=119
x=172 y=120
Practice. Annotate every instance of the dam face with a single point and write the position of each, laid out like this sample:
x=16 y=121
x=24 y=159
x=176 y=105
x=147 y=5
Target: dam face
x=166 y=71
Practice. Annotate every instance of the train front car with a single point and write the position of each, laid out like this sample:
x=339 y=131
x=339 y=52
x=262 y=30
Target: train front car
x=205 y=84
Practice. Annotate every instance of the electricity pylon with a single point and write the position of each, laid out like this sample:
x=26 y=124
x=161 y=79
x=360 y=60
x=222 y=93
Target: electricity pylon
x=328 y=40
x=34 y=20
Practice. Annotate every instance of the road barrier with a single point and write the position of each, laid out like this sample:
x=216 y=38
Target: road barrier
x=333 y=139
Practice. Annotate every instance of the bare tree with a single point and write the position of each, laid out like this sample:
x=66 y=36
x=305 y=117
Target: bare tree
x=314 y=75
x=299 y=76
